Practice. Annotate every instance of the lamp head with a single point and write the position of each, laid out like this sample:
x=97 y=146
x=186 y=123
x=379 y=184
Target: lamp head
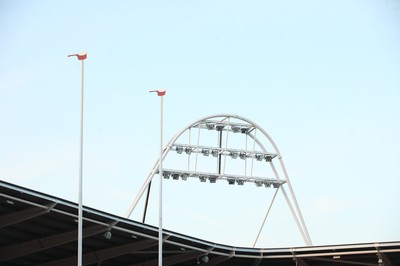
x=160 y=92
x=80 y=56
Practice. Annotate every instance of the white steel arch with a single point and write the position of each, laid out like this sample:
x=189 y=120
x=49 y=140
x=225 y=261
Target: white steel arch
x=230 y=124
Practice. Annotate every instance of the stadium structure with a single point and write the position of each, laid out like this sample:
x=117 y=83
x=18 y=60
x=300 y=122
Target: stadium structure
x=41 y=229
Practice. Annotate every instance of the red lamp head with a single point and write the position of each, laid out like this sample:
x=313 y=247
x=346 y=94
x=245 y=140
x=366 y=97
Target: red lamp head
x=80 y=56
x=160 y=92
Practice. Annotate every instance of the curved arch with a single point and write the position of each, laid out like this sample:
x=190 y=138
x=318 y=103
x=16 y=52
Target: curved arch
x=224 y=121
x=227 y=116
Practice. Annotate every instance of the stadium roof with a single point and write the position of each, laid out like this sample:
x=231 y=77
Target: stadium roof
x=39 y=229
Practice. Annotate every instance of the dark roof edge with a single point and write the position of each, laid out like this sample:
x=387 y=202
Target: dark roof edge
x=204 y=245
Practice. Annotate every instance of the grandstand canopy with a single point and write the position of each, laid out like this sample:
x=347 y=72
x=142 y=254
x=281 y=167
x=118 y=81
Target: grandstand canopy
x=39 y=229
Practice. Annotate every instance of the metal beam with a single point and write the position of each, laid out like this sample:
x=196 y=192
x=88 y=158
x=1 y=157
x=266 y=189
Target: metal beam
x=173 y=260
x=386 y=260
x=301 y=262
x=347 y=262
x=256 y=262
x=105 y=254
x=218 y=260
x=29 y=247
x=21 y=216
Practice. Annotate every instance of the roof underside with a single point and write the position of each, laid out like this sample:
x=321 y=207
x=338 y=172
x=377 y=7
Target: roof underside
x=38 y=229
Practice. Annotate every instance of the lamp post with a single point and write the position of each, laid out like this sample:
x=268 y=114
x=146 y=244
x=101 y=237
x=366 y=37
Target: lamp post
x=160 y=93
x=81 y=57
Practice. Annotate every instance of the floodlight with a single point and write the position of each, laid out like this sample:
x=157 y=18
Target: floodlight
x=231 y=181
x=210 y=126
x=244 y=130
x=179 y=149
x=188 y=150
x=214 y=152
x=267 y=184
x=259 y=156
x=166 y=175
x=219 y=127
x=242 y=155
x=202 y=178
x=258 y=183
x=276 y=185
x=205 y=152
x=212 y=179
x=184 y=176
x=233 y=154
x=175 y=176
x=240 y=182
x=107 y=234
x=205 y=259
x=268 y=158
x=235 y=129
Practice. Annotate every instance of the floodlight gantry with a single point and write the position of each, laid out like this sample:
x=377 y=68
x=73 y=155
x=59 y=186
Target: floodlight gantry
x=224 y=125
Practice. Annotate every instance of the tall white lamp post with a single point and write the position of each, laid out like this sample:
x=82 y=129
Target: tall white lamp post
x=160 y=93
x=81 y=57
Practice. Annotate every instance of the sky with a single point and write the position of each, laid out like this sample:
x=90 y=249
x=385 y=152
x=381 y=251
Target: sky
x=321 y=77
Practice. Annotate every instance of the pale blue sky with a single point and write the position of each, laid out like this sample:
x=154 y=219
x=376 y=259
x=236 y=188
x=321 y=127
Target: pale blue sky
x=321 y=77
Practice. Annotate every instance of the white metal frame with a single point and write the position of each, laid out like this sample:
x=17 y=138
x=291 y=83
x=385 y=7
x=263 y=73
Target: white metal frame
x=250 y=129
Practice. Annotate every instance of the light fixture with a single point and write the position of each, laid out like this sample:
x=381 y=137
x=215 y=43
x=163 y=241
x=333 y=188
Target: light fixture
x=107 y=234
x=166 y=175
x=202 y=259
x=214 y=152
x=219 y=127
x=244 y=130
x=188 y=150
x=210 y=126
x=242 y=155
x=184 y=176
x=233 y=154
x=268 y=158
x=205 y=152
x=267 y=184
x=259 y=157
x=212 y=179
x=231 y=181
x=240 y=182
x=235 y=129
x=179 y=149
x=205 y=259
